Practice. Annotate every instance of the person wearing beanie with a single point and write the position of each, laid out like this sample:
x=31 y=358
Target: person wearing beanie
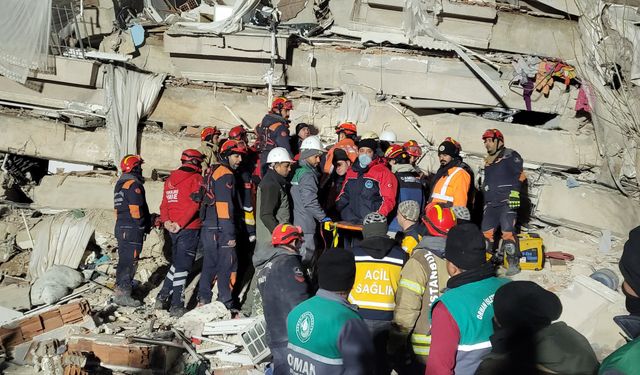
x=326 y=335
x=452 y=181
x=408 y=218
x=379 y=260
x=467 y=303
x=369 y=186
x=304 y=193
x=525 y=339
x=303 y=131
x=626 y=360
x=410 y=186
x=422 y=279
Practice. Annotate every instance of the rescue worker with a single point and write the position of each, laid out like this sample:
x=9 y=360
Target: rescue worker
x=503 y=178
x=326 y=335
x=217 y=200
x=209 y=139
x=462 y=317
x=304 y=192
x=331 y=184
x=282 y=285
x=273 y=131
x=274 y=207
x=414 y=150
x=626 y=360
x=244 y=179
x=132 y=222
x=525 y=341
x=179 y=214
x=379 y=260
x=422 y=280
x=369 y=186
x=302 y=132
x=347 y=134
x=451 y=182
x=409 y=184
x=387 y=138
x=408 y=220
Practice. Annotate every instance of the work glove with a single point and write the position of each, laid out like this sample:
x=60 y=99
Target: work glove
x=514 y=199
x=326 y=220
x=249 y=218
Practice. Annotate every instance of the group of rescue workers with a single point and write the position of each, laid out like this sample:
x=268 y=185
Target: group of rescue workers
x=360 y=262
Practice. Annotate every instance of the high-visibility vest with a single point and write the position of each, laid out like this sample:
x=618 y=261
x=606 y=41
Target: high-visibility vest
x=445 y=188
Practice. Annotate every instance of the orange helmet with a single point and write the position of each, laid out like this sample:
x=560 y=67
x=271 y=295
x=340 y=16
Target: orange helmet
x=231 y=146
x=191 y=156
x=237 y=133
x=395 y=151
x=129 y=162
x=348 y=128
x=412 y=148
x=208 y=133
x=284 y=234
x=493 y=133
x=281 y=103
x=438 y=219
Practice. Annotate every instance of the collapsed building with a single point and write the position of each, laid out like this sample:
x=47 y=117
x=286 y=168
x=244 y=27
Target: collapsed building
x=86 y=82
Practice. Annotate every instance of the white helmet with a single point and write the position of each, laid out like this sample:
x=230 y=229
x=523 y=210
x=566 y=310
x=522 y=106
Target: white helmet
x=369 y=134
x=311 y=143
x=279 y=155
x=388 y=136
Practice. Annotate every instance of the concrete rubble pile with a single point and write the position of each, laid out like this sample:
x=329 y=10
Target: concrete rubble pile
x=558 y=78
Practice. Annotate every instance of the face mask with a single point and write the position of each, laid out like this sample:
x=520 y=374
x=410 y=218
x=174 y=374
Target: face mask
x=632 y=303
x=364 y=160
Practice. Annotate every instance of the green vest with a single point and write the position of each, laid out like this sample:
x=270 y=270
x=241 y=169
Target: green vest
x=471 y=306
x=315 y=325
x=304 y=168
x=625 y=360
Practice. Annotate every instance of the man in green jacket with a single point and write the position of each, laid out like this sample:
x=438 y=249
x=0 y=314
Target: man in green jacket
x=326 y=334
x=626 y=360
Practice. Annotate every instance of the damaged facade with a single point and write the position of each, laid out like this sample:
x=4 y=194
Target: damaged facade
x=105 y=79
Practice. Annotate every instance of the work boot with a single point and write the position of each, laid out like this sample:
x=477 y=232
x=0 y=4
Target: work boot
x=125 y=299
x=161 y=303
x=177 y=311
x=513 y=266
x=512 y=255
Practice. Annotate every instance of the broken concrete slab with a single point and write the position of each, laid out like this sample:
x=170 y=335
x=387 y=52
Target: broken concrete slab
x=96 y=192
x=15 y=296
x=587 y=207
x=8 y=314
x=115 y=352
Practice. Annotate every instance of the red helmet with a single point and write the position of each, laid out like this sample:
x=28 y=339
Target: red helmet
x=281 y=103
x=231 y=146
x=348 y=128
x=129 y=162
x=284 y=234
x=438 y=220
x=191 y=156
x=412 y=148
x=208 y=133
x=237 y=133
x=395 y=151
x=493 y=133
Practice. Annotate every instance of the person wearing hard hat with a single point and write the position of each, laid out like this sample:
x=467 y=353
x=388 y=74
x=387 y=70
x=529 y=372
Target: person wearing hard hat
x=304 y=193
x=273 y=131
x=209 y=139
x=273 y=207
x=133 y=220
x=409 y=185
x=282 y=285
x=422 y=280
x=245 y=181
x=347 y=135
x=387 y=138
x=503 y=178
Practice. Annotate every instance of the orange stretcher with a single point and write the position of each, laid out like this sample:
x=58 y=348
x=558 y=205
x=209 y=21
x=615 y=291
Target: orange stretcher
x=335 y=227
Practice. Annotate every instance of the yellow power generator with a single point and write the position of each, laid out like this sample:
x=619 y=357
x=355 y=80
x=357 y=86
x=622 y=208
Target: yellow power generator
x=531 y=248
